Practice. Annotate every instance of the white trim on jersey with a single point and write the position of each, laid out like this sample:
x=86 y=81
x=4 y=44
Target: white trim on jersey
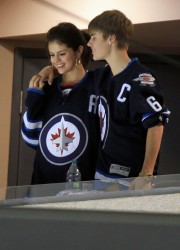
x=31 y=125
x=33 y=142
x=102 y=177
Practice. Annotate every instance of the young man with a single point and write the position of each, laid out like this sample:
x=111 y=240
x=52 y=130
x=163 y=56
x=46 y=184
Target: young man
x=130 y=104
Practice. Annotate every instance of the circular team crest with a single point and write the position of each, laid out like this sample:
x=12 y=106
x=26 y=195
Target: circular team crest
x=103 y=112
x=63 y=139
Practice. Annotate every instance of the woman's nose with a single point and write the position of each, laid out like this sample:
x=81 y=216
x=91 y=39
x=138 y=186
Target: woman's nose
x=56 y=58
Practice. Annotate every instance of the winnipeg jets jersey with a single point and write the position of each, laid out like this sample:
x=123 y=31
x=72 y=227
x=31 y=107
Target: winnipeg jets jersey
x=62 y=125
x=129 y=103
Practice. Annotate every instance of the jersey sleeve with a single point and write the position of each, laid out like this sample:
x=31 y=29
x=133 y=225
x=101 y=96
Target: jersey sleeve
x=33 y=117
x=147 y=103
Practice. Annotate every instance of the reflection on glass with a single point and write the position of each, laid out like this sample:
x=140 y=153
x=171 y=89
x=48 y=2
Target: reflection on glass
x=89 y=190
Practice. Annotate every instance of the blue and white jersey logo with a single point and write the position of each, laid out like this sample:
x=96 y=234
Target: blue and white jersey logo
x=63 y=138
x=103 y=112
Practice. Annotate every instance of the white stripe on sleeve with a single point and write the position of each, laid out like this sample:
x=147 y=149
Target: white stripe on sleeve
x=31 y=125
x=33 y=142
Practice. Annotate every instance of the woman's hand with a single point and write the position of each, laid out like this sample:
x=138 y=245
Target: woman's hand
x=36 y=82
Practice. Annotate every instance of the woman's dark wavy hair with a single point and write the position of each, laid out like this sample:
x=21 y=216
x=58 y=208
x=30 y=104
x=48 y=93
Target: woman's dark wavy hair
x=69 y=34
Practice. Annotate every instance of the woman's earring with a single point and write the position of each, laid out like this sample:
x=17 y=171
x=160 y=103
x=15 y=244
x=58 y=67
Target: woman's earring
x=78 y=61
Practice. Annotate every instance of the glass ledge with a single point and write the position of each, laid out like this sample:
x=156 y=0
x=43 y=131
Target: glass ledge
x=88 y=190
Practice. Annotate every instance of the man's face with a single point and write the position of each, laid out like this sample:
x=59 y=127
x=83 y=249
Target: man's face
x=99 y=46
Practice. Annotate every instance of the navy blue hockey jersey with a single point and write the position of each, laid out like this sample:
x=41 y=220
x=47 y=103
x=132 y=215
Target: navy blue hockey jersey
x=129 y=103
x=62 y=125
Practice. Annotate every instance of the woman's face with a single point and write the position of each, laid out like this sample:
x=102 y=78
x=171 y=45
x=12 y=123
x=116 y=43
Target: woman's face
x=62 y=57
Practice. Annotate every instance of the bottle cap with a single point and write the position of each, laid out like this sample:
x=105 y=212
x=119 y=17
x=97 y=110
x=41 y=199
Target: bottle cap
x=74 y=161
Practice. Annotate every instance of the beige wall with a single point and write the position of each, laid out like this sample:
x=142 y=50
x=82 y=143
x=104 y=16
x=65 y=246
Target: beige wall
x=5 y=107
x=22 y=18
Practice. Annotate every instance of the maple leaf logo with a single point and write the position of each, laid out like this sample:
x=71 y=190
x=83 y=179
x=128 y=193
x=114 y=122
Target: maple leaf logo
x=62 y=139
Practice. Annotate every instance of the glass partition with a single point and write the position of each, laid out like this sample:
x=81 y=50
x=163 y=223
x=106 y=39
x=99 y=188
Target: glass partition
x=89 y=190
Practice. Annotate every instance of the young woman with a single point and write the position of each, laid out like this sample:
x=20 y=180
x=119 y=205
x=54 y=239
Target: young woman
x=61 y=121
x=130 y=104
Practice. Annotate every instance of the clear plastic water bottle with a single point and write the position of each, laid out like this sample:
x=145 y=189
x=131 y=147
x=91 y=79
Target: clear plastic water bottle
x=73 y=176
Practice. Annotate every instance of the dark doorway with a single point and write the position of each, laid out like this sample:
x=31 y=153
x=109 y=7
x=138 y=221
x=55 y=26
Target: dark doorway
x=27 y=63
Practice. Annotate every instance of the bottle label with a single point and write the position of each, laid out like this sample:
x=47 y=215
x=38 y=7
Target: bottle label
x=76 y=184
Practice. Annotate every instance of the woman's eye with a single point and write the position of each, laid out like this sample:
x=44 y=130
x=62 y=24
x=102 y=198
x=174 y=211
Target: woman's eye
x=60 y=54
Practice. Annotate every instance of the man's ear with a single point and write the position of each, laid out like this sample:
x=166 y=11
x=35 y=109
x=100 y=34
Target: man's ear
x=112 y=39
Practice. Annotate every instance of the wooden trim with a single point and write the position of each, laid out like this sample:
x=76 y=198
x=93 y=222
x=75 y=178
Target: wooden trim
x=19 y=55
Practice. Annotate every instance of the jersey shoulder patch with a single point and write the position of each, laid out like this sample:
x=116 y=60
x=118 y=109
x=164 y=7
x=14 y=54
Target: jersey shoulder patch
x=145 y=79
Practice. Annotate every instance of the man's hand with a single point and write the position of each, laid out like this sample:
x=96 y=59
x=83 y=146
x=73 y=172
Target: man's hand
x=47 y=74
x=141 y=183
